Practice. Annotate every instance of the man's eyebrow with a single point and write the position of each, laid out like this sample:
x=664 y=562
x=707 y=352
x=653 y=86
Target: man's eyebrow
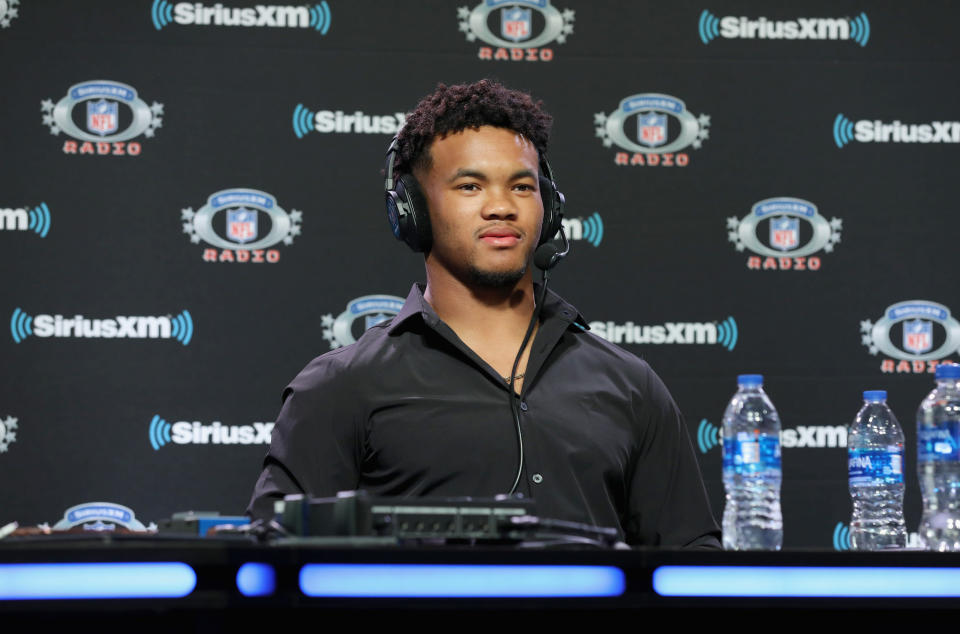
x=467 y=173
x=472 y=173
x=523 y=174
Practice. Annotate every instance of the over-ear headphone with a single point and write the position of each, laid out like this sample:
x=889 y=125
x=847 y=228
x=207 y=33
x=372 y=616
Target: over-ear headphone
x=407 y=206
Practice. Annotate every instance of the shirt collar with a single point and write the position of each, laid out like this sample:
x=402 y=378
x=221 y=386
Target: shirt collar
x=554 y=307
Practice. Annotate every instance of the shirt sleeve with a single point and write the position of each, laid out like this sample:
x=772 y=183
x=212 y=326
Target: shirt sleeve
x=314 y=445
x=668 y=505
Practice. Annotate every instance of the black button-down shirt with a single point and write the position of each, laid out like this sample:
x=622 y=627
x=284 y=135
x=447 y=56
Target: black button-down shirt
x=410 y=410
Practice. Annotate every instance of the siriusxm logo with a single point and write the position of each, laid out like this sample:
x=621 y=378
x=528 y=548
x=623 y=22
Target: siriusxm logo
x=8 y=11
x=36 y=220
x=244 y=214
x=812 y=436
x=781 y=217
x=326 y=121
x=655 y=127
x=723 y=333
x=316 y=17
x=841 y=538
x=865 y=131
x=818 y=436
x=103 y=134
x=742 y=28
x=195 y=433
x=589 y=229
x=508 y=26
x=708 y=436
x=179 y=327
x=8 y=432
x=340 y=331
x=914 y=321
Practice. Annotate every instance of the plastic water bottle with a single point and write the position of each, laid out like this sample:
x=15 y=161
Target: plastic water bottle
x=938 y=461
x=751 y=469
x=875 y=450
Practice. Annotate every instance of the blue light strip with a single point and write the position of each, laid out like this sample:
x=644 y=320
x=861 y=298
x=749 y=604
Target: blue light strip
x=775 y=581
x=418 y=580
x=256 y=580
x=96 y=581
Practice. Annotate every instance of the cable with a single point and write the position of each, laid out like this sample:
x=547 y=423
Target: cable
x=514 y=397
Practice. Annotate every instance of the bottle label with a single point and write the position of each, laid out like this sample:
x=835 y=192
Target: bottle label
x=749 y=452
x=939 y=443
x=876 y=465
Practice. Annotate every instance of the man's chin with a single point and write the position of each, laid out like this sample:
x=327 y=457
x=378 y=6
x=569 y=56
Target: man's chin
x=496 y=279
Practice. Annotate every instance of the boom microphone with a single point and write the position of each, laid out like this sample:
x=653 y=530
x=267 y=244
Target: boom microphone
x=548 y=255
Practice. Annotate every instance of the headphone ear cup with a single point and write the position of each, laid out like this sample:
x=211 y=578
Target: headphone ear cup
x=415 y=224
x=552 y=210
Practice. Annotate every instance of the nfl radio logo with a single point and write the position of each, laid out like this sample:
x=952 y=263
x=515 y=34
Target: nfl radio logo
x=784 y=233
x=241 y=225
x=515 y=23
x=653 y=129
x=917 y=336
x=102 y=117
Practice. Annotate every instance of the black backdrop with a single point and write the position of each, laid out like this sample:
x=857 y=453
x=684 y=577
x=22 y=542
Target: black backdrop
x=671 y=127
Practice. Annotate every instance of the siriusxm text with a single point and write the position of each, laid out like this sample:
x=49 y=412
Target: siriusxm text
x=814 y=436
x=14 y=219
x=358 y=122
x=130 y=327
x=262 y=15
x=196 y=433
x=732 y=27
x=934 y=132
x=670 y=332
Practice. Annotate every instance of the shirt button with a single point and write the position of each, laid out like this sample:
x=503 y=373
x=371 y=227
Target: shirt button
x=537 y=478
x=523 y=405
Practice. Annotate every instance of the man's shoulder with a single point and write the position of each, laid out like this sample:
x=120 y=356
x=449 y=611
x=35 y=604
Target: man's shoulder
x=592 y=355
x=350 y=363
x=596 y=347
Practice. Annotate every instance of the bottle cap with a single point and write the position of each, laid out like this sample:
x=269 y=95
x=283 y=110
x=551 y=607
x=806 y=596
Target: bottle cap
x=948 y=371
x=751 y=379
x=873 y=396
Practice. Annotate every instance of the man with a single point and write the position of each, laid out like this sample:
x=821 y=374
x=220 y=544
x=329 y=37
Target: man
x=419 y=404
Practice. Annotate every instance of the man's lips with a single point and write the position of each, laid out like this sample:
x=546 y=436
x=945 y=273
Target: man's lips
x=500 y=236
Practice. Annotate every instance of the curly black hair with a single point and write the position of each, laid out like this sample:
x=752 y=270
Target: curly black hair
x=454 y=108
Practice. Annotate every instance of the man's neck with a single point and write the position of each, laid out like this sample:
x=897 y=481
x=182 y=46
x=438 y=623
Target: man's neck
x=491 y=321
x=480 y=308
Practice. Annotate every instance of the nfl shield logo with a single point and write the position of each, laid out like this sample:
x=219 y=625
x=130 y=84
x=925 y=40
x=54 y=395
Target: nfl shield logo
x=102 y=117
x=515 y=23
x=241 y=225
x=653 y=129
x=917 y=336
x=784 y=233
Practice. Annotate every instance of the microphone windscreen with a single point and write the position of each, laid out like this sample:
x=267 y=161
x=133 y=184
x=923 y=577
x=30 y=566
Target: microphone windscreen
x=543 y=257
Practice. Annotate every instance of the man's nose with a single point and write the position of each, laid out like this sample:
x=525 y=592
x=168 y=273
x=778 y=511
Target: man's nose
x=499 y=205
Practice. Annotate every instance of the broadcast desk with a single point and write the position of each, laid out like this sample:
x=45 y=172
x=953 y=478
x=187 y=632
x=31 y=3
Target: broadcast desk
x=238 y=580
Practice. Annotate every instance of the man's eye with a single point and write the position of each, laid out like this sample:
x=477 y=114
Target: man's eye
x=468 y=187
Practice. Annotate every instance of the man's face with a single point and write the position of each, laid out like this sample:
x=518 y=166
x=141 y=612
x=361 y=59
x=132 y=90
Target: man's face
x=485 y=208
